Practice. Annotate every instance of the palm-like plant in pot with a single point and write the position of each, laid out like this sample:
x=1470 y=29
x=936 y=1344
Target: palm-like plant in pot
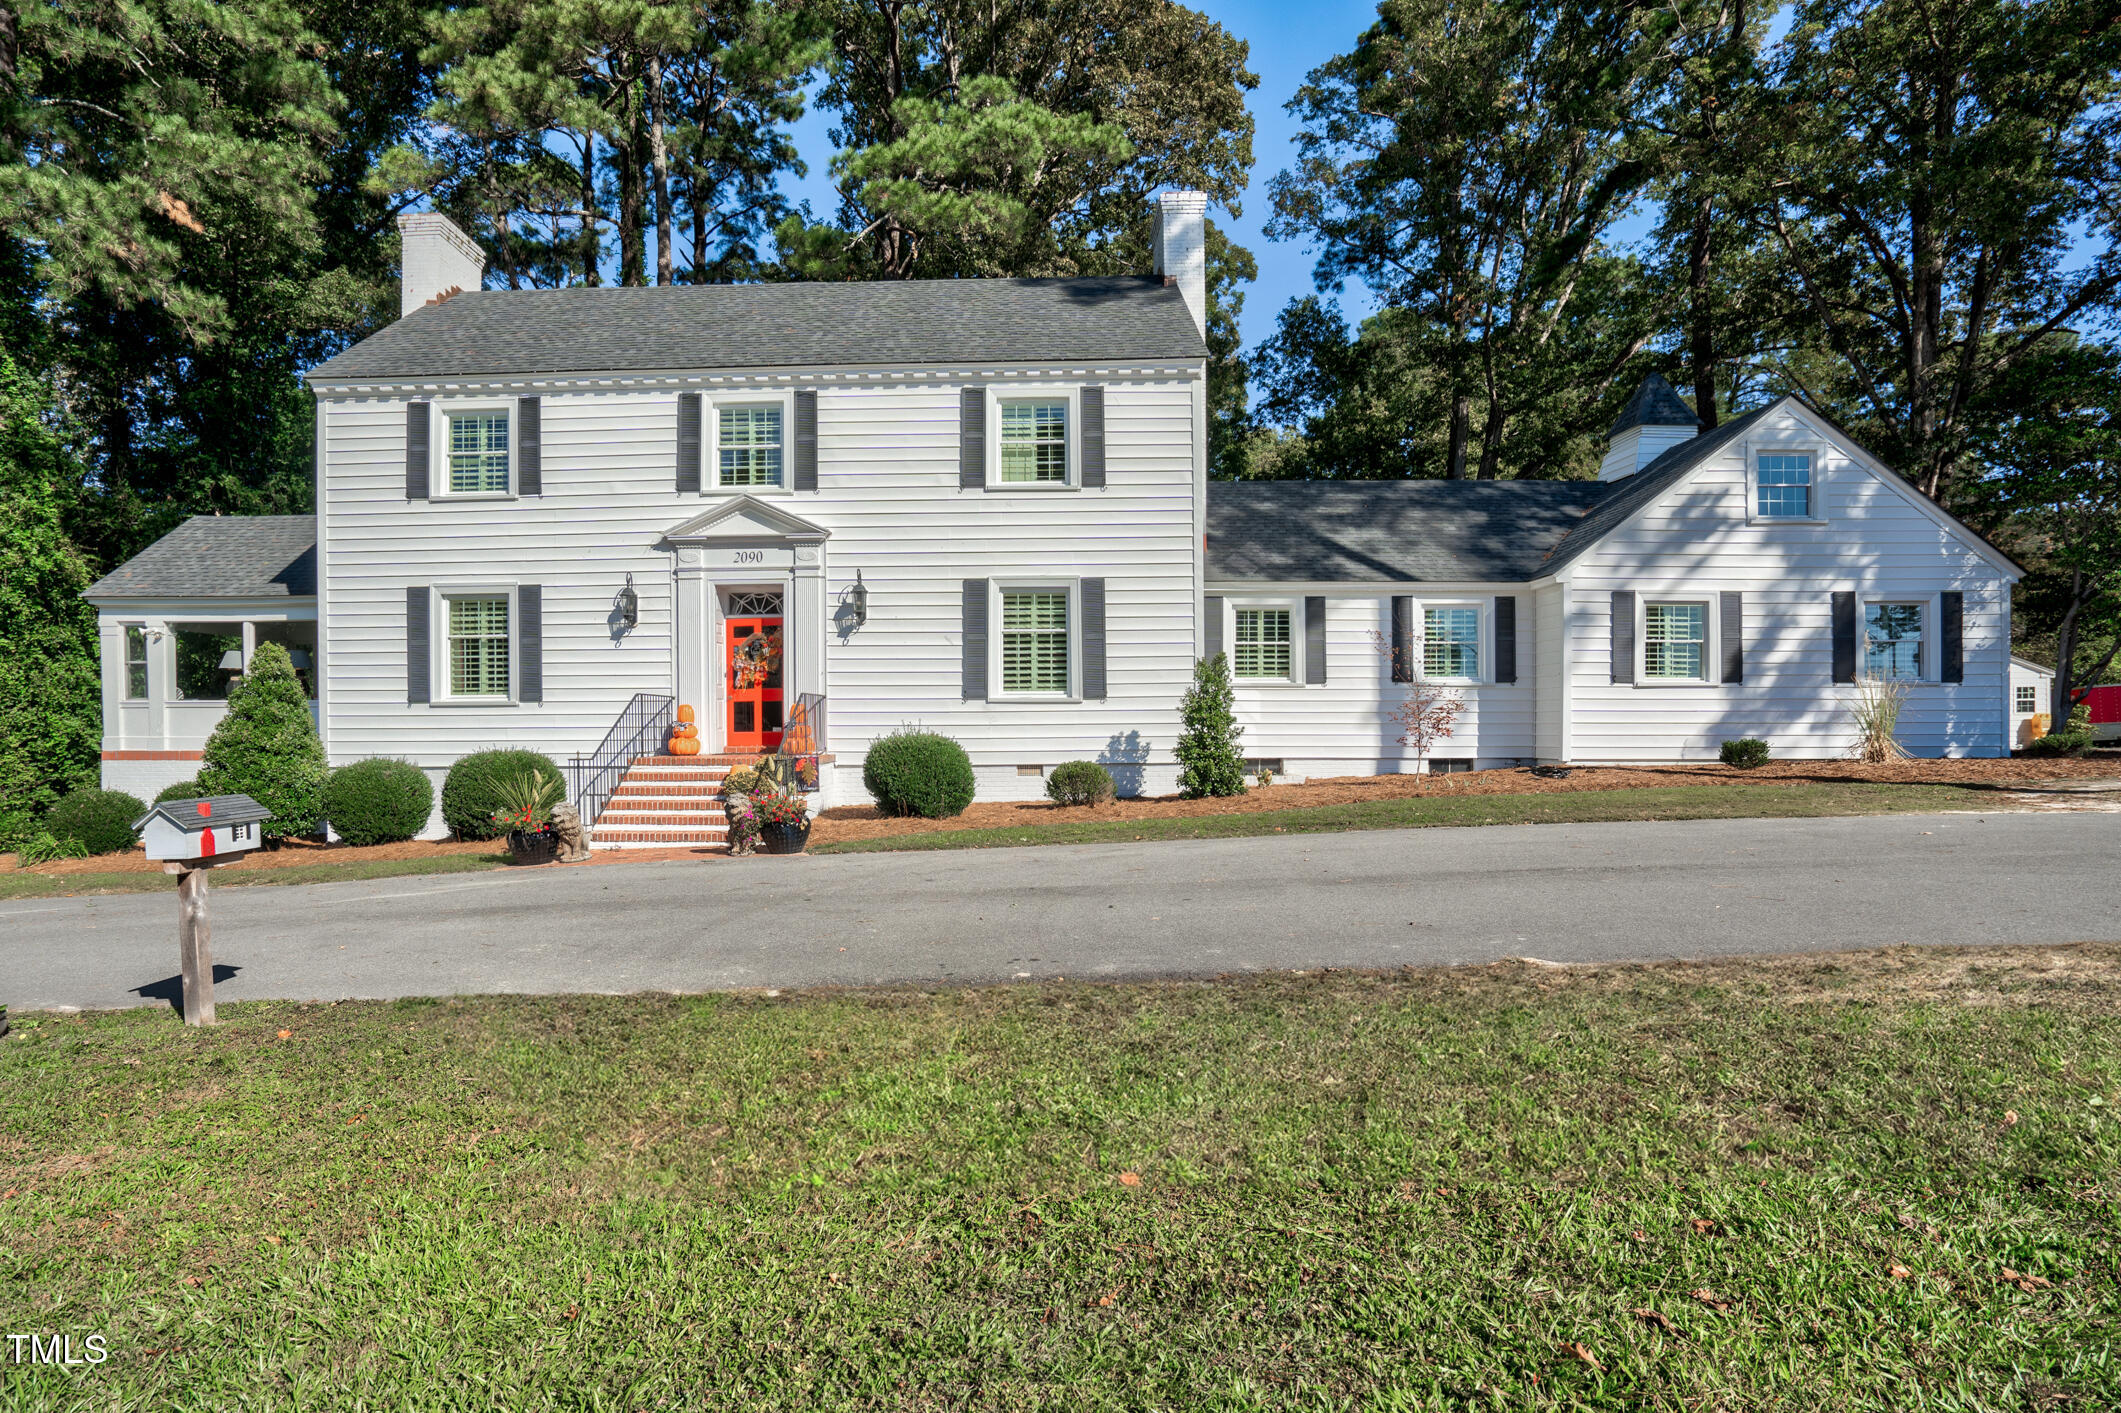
x=526 y=803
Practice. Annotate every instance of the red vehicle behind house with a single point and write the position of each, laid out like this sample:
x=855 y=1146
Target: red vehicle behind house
x=2105 y=704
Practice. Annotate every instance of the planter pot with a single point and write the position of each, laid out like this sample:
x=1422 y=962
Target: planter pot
x=784 y=838
x=533 y=846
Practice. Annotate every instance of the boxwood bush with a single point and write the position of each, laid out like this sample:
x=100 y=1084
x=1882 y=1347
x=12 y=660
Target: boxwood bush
x=267 y=747
x=182 y=790
x=100 y=821
x=378 y=801
x=469 y=793
x=1745 y=752
x=1080 y=782
x=919 y=772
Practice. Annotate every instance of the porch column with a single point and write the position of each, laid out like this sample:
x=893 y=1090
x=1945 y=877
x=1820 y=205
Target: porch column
x=691 y=626
x=805 y=624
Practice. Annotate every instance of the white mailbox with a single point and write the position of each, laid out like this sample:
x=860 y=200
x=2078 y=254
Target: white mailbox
x=217 y=827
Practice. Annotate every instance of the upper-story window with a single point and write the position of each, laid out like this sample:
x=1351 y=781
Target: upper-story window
x=1034 y=441
x=1783 y=486
x=1450 y=643
x=135 y=663
x=748 y=443
x=478 y=453
x=1892 y=646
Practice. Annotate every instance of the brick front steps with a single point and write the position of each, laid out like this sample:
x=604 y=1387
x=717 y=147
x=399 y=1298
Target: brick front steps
x=667 y=802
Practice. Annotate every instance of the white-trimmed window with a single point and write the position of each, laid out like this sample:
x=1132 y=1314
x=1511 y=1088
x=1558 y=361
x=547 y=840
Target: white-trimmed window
x=1675 y=640
x=1450 y=642
x=749 y=441
x=1782 y=486
x=1263 y=644
x=135 y=663
x=476 y=628
x=1034 y=441
x=477 y=447
x=1892 y=641
x=2028 y=700
x=1035 y=642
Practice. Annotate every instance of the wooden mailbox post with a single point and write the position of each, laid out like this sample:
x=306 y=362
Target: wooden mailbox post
x=191 y=837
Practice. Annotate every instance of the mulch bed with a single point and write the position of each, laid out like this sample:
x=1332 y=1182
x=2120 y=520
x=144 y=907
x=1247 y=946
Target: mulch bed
x=868 y=822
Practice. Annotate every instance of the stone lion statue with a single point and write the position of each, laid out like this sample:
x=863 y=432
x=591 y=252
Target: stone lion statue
x=567 y=823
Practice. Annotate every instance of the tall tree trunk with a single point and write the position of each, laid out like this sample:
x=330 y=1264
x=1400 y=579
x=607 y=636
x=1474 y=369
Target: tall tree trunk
x=1461 y=431
x=696 y=206
x=1491 y=440
x=659 y=161
x=633 y=195
x=591 y=239
x=1701 y=335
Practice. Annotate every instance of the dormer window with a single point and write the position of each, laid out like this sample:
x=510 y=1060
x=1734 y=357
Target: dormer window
x=1783 y=486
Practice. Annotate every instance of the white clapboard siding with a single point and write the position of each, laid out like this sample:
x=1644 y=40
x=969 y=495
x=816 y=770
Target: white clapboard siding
x=1344 y=726
x=1697 y=539
x=888 y=493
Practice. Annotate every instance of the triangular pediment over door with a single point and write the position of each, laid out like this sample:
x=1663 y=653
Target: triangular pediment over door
x=745 y=518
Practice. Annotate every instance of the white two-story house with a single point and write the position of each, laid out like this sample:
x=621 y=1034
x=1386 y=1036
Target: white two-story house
x=816 y=512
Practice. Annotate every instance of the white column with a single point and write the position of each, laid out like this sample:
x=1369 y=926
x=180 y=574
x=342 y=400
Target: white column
x=692 y=632
x=806 y=620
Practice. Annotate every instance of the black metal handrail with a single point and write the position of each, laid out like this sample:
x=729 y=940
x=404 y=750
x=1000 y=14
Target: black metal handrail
x=640 y=730
x=803 y=734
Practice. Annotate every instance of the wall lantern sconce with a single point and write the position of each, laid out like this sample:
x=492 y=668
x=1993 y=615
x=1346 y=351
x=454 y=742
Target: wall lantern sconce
x=858 y=600
x=628 y=604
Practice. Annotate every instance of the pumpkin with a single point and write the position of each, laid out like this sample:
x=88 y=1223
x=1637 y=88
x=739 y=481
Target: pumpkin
x=685 y=715
x=684 y=737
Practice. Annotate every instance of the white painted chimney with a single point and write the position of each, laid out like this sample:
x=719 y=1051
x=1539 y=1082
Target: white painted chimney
x=1653 y=422
x=1182 y=248
x=439 y=261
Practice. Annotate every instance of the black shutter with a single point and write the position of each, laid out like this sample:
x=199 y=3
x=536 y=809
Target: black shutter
x=971 y=439
x=1211 y=625
x=1402 y=637
x=1314 y=640
x=418 y=653
x=1844 y=636
x=688 y=444
x=1094 y=438
x=416 y=423
x=805 y=441
x=530 y=461
x=1094 y=640
x=975 y=618
x=1623 y=635
x=1952 y=605
x=530 y=643
x=1506 y=637
x=1731 y=607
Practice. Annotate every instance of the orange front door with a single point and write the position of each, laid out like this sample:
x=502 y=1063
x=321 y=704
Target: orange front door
x=754 y=659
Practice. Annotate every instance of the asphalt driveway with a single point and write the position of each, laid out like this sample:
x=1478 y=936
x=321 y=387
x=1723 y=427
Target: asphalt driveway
x=1589 y=892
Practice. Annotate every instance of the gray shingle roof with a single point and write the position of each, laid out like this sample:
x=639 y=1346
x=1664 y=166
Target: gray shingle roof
x=674 y=328
x=1390 y=531
x=1631 y=493
x=221 y=557
x=1654 y=404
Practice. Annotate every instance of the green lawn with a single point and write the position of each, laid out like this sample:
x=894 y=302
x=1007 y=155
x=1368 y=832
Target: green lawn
x=37 y=885
x=1415 y=1191
x=1579 y=807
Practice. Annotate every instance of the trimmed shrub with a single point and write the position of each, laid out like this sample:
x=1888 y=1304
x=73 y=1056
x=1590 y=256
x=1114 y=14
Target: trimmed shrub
x=378 y=801
x=919 y=772
x=472 y=790
x=182 y=790
x=1745 y=752
x=267 y=747
x=1208 y=758
x=1080 y=782
x=2074 y=739
x=100 y=821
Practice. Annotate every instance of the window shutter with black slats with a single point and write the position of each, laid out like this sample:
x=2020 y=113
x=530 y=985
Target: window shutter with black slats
x=530 y=643
x=1314 y=640
x=419 y=654
x=1844 y=635
x=1731 y=606
x=530 y=460
x=1402 y=637
x=971 y=439
x=1623 y=649
x=688 y=444
x=1505 y=637
x=1094 y=640
x=416 y=424
x=975 y=634
x=1211 y=625
x=805 y=440
x=1951 y=605
x=1094 y=438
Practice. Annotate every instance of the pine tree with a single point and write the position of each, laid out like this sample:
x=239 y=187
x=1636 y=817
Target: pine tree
x=1208 y=759
x=267 y=747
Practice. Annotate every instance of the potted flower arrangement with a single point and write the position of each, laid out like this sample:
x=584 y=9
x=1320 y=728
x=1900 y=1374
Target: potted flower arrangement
x=783 y=821
x=526 y=815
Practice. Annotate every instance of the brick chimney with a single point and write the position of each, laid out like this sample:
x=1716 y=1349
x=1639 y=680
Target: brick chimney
x=1182 y=248
x=1653 y=422
x=439 y=261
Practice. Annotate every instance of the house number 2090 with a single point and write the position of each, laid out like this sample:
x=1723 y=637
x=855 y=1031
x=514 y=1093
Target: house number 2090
x=751 y=556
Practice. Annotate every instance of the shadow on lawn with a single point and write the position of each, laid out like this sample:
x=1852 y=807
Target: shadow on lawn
x=171 y=988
